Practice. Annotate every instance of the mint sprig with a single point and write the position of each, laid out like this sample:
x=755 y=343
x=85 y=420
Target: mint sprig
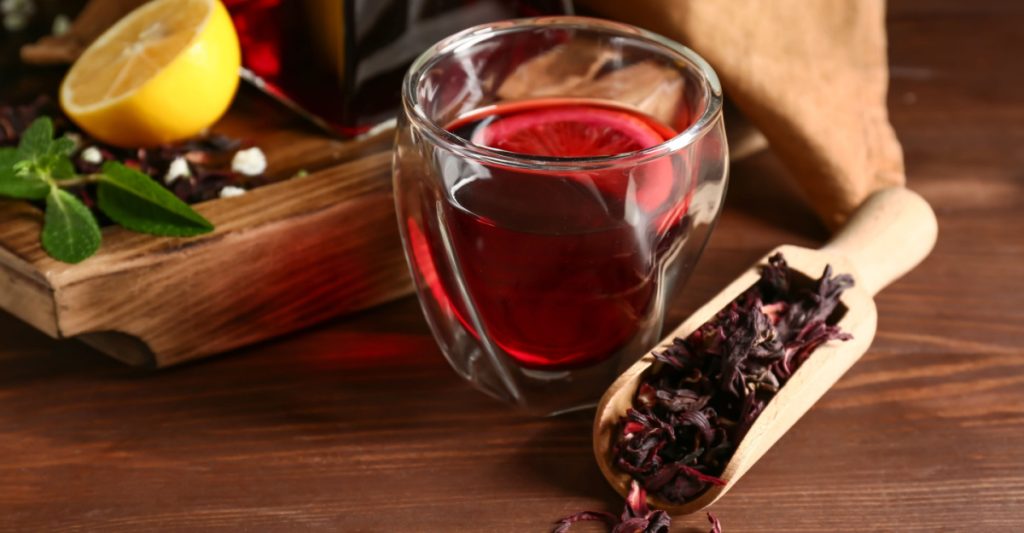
x=70 y=232
x=41 y=156
x=41 y=165
x=19 y=184
x=135 y=201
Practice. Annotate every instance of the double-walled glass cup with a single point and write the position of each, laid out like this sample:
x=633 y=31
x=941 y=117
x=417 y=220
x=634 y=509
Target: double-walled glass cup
x=544 y=273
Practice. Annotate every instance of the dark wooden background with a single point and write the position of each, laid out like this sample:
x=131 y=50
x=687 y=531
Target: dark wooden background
x=359 y=424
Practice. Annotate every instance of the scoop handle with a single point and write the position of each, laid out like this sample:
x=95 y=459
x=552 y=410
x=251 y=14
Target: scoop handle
x=886 y=237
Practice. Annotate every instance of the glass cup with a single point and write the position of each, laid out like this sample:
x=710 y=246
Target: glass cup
x=544 y=273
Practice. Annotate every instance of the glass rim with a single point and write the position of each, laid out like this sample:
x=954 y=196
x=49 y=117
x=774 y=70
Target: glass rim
x=708 y=117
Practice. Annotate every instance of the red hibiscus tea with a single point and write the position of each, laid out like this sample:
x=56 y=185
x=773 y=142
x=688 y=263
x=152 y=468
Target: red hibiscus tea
x=555 y=178
x=559 y=266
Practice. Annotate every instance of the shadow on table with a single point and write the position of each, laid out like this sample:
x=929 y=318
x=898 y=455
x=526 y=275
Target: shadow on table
x=760 y=188
x=366 y=371
x=559 y=453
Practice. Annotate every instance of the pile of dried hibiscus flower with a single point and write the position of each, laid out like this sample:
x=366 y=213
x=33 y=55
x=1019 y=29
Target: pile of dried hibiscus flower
x=704 y=392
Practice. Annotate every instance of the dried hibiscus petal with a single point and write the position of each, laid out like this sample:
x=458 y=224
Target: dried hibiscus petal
x=697 y=403
x=209 y=157
x=716 y=526
x=637 y=517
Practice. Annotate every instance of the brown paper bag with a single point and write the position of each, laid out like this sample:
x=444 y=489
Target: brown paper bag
x=811 y=75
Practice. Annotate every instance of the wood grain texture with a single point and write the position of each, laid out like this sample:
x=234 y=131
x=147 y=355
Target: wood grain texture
x=360 y=425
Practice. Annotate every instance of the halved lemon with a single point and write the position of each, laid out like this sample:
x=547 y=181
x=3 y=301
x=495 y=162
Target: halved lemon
x=164 y=72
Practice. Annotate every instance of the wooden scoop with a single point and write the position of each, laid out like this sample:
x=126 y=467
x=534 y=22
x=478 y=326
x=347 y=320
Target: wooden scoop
x=888 y=235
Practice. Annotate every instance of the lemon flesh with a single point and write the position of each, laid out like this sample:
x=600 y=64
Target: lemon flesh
x=164 y=72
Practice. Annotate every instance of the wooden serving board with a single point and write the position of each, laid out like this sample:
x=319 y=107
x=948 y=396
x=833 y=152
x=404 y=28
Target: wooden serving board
x=282 y=257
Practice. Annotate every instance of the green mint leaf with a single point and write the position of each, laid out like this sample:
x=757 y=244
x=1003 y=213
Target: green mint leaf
x=61 y=167
x=63 y=146
x=21 y=166
x=135 y=201
x=59 y=159
x=70 y=232
x=41 y=156
x=8 y=158
x=14 y=184
x=37 y=139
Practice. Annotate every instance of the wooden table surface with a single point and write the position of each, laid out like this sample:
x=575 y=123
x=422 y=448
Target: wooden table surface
x=360 y=425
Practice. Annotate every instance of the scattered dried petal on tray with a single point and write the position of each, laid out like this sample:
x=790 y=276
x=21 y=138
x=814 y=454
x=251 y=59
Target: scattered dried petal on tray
x=195 y=170
x=15 y=118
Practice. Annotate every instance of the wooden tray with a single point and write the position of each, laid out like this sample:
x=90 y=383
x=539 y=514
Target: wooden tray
x=282 y=257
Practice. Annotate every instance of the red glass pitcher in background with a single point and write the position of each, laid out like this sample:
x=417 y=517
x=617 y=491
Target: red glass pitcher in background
x=340 y=62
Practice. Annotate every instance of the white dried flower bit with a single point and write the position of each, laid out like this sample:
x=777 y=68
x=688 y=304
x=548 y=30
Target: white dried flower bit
x=178 y=169
x=61 y=25
x=15 y=22
x=92 y=155
x=251 y=162
x=14 y=6
x=16 y=14
x=230 y=191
